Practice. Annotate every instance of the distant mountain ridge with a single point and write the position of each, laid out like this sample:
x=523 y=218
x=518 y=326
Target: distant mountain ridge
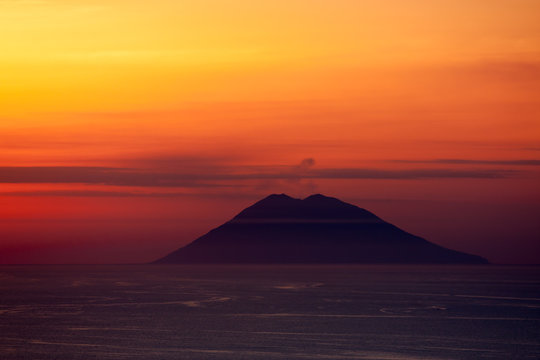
x=317 y=229
x=315 y=207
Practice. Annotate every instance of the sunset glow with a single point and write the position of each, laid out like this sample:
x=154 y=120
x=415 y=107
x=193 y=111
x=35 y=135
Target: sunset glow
x=128 y=128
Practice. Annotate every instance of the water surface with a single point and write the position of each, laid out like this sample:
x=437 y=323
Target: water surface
x=269 y=312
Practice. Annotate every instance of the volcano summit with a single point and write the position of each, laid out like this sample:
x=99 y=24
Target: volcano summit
x=317 y=229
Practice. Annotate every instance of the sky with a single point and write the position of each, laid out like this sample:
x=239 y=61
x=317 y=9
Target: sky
x=129 y=128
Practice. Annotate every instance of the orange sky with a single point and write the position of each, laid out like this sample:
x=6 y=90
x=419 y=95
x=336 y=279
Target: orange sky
x=150 y=122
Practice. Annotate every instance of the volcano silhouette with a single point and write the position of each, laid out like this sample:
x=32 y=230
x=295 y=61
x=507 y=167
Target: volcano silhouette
x=317 y=229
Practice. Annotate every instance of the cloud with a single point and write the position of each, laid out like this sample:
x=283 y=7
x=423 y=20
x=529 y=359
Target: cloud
x=514 y=71
x=294 y=180
x=409 y=174
x=519 y=162
x=101 y=175
x=87 y=193
x=306 y=164
x=219 y=176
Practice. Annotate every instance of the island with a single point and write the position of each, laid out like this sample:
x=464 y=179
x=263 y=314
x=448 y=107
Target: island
x=319 y=229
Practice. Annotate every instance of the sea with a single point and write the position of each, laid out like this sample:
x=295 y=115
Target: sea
x=269 y=312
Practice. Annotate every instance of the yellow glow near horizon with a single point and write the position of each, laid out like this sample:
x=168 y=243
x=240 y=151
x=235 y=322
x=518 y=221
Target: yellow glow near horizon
x=121 y=76
x=93 y=54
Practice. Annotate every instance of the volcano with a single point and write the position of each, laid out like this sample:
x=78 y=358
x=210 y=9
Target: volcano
x=315 y=230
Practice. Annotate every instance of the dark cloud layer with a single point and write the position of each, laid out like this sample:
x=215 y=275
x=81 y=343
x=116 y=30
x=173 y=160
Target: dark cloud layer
x=526 y=162
x=86 y=193
x=100 y=175
x=222 y=176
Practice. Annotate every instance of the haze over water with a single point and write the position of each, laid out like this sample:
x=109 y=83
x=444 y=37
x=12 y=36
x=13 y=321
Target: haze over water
x=269 y=312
